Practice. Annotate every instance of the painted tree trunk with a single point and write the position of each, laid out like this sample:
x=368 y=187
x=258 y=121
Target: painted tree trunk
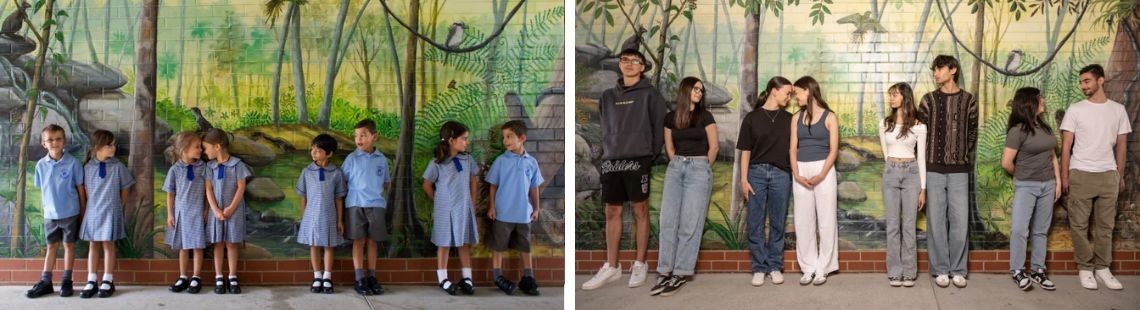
x=139 y=210
x=87 y=29
x=748 y=92
x=1122 y=76
x=275 y=97
x=330 y=76
x=298 y=67
x=407 y=232
x=181 y=54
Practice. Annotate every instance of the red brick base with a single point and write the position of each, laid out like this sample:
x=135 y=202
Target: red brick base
x=549 y=271
x=1059 y=262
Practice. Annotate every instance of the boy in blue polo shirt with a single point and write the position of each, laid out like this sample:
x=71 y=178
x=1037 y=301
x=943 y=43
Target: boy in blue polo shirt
x=60 y=178
x=514 y=179
x=364 y=208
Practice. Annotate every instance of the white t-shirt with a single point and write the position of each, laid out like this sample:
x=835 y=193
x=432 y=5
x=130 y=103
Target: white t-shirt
x=1095 y=127
x=905 y=147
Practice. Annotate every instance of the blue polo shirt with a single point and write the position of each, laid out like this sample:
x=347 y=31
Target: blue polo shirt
x=514 y=175
x=366 y=173
x=59 y=181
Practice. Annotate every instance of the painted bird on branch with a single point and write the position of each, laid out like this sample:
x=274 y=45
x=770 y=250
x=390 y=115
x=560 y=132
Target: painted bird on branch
x=454 y=37
x=1012 y=63
x=863 y=23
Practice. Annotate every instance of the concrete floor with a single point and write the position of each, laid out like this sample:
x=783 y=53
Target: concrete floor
x=286 y=297
x=858 y=291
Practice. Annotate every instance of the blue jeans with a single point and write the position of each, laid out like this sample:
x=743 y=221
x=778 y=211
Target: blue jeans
x=772 y=188
x=901 y=186
x=684 y=206
x=947 y=216
x=1032 y=201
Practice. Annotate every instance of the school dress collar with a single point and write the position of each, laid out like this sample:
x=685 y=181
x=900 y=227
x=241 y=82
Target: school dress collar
x=190 y=175
x=321 y=170
x=458 y=161
x=102 y=173
x=220 y=166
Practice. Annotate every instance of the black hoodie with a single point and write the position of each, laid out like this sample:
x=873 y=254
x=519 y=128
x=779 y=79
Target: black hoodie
x=633 y=121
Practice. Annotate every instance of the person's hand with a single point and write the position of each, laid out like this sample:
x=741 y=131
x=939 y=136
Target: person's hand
x=1121 y=182
x=339 y=227
x=228 y=212
x=818 y=179
x=491 y=213
x=804 y=181
x=534 y=215
x=1064 y=185
x=218 y=215
x=1057 y=193
x=746 y=190
x=170 y=221
x=921 y=199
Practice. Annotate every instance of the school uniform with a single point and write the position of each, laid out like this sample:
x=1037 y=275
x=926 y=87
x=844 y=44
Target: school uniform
x=58 y=181
x=224 y=179
x=453 y=218
x=187 y=182
x=321 y=187
x=364 y=205
x=514 y=175
x=104 y=182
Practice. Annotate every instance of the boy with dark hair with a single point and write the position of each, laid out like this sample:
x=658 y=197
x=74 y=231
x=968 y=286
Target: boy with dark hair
x=365 y=169
x=514 y=179
x=60 y=178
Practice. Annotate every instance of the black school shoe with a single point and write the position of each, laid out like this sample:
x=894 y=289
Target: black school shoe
x=528 y=286
x=40 y=289
x=87 y=293
x=361 y=287
x=104 y=293
x=506 y=285
x=374 y=286
x=233 y=287
x=195 y=285
x=467 y=286
x=448 y=287
x=65 y=289
x=316 y=286
x=219 y=285
x=328 y=286
x=181 y=285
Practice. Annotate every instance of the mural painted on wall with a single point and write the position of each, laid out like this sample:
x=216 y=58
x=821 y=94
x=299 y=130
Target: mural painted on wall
x=277 y=73
x=856 y=49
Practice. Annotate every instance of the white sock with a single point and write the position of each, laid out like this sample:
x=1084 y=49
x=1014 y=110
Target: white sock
x=467 y=273
x=183 y=277
x=441 y=274
x=108 y=277
x=316 y=274
x=327 y=276
x=92 y=277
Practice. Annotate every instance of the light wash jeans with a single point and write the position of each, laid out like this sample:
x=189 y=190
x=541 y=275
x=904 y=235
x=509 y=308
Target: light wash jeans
x=947 y=217
x=1032 y=212
x=684 y=206
x=901 y=186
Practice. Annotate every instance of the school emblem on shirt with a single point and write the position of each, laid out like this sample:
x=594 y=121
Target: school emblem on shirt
x=64 y=174
x=379 y=172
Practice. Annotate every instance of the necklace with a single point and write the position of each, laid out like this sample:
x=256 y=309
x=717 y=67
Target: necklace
x=770 y=116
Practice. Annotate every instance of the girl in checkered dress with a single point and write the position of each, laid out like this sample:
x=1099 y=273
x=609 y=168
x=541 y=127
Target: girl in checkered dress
x=451 y=180
x=185 y=188
x=225 y=191
x=322 y=189
x=106 y=181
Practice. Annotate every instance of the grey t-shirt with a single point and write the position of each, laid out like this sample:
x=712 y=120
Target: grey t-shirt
x=1034 y=161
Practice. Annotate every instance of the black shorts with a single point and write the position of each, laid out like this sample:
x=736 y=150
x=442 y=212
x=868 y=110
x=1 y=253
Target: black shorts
x=65 y=229
x=626 y=179
x=363 y=223
x=509 y=236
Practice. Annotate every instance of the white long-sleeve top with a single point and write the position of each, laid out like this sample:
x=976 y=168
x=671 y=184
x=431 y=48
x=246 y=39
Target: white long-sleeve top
x=906 y=147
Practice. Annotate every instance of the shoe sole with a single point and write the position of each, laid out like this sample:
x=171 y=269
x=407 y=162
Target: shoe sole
x=604 y=282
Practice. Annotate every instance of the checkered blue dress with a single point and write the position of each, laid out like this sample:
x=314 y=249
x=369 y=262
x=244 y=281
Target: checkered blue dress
x=187 y=182
x=318 y=224
x=104 y=182
x=224 y=179
x=453 y=218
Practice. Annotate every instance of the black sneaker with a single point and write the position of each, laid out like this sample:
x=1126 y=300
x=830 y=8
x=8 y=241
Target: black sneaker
x=327 y=286
x=374 y=286
x=448 y=287
x=87 y=293
x=233 y=287
x=181 y=285
x=673 y=285
x=219 y=285
x=195 y=285
x=104 y=293
x=660 y=286
x=41 y=288
x=361 y=287
x=65 y=289
x=316 y=286
x=505 y=285
x=467 y=286
x=528 y=286
x=1021 y=280
x=1042 y=280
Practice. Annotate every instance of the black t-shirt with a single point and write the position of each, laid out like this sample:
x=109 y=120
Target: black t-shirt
x=692 y=141
x=766 y=134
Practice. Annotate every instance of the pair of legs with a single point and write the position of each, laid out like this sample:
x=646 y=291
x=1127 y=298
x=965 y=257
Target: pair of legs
x=613 y=230
x=184 y=259
x=497 y=259
x=1032 y=213
x=815 y=217
x=947 y=216
x=359 y=247
x=768 y=205
x=684 y=206
x=1092 y=194
x=442 y=254
x=901 y=188
x=68 y=256
x=225 y=251
x=315 y=258
x=108 y=249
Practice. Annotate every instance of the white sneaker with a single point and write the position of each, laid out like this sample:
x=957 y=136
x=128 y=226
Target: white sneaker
x=819 y=280
x=942 y=280
x=758 y=279
x=895 y=282
x=605 y=275
x=1087 y=280
x=959 y=281
x=637 y=273
x=777 y=277
x=908 y=282
x=1109 y=281
x=806 y=279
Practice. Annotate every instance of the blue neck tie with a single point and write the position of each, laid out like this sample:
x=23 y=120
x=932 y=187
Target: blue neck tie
x=321 y=173
x=189 y=173
x=458 y=164
x=221 y=172
x=102 y=170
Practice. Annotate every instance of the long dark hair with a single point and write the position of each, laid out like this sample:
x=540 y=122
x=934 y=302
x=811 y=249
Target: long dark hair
x=1023 y=111
x=909 y=112
x=682 y=117
x=99 y=139
x=815 y=96
x=449 y=130
x=773 y=84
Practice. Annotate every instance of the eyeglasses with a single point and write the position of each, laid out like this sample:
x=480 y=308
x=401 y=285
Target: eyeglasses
x=630 y=61
x=698 y=90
